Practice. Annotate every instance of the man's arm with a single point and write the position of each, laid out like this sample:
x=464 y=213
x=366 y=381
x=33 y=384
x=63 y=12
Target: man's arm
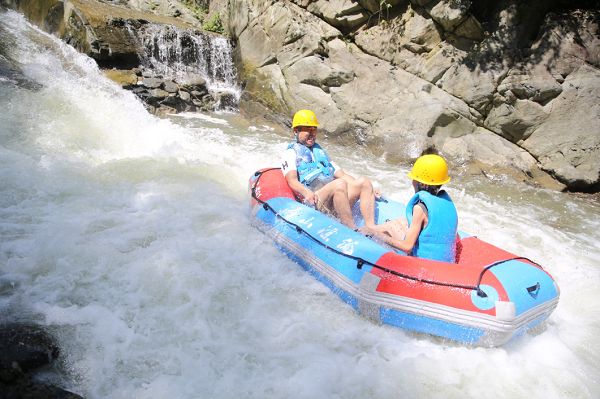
x=292 y=179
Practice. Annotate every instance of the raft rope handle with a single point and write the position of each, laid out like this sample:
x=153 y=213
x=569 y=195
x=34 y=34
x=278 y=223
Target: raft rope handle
x=360 y=262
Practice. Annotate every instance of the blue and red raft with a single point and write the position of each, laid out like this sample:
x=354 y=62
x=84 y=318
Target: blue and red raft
x=486 y=298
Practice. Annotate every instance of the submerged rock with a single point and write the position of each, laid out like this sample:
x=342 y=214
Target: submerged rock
x=23 y=348
x=16 y=384
x=28 y=345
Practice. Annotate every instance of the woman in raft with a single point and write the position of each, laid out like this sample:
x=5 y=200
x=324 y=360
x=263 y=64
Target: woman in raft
x=429 y=229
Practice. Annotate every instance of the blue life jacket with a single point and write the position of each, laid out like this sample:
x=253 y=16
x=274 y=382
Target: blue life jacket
x=437 y=240
x=313 y=167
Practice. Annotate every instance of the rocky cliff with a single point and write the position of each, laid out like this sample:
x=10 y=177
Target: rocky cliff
x=510 y=84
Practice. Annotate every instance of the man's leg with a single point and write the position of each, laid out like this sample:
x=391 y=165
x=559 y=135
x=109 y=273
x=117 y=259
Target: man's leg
x=362 y=189
x=334 y=195
x=395 y=228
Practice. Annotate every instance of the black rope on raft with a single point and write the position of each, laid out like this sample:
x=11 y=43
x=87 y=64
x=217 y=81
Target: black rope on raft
x=361 y=262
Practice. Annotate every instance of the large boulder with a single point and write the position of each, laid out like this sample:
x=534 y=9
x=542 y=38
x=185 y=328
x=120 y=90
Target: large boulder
x=342 y=14
x=548 y=103
x=567 y=143
x=449 y=13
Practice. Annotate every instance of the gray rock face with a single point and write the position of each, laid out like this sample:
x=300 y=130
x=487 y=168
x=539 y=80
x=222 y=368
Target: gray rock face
x=567 y=143
x=431 y=78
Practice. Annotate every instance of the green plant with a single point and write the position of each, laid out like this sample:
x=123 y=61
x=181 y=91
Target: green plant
x=387 y=9
x=348 y=44
x=198 y=7
x=215 y=25
x=383 y=5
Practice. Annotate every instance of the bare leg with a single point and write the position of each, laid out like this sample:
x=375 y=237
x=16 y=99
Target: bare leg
x=335 y=195
x=362 y=189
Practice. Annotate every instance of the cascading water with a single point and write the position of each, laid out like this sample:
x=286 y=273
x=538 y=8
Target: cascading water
x=127 y=237
x=177 y=53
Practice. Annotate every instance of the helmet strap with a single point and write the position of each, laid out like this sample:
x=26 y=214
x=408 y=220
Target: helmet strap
x=419 y=186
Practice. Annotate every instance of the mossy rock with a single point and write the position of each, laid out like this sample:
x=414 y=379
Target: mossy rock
x=125 y=78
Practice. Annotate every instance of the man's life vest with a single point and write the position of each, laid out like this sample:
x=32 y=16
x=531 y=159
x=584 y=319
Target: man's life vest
x=437 y=241
x=313 y=167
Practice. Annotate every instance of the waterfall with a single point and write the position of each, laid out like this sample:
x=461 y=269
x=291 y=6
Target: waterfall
x=180 y=53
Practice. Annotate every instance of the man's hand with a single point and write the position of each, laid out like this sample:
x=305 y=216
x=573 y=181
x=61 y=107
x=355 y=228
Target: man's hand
x=310 y=197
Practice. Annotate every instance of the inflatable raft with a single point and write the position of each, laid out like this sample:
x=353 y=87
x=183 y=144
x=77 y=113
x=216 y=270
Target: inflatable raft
x=486 y=298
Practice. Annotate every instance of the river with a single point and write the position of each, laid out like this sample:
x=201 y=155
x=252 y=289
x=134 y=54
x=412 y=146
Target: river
x=127 y=236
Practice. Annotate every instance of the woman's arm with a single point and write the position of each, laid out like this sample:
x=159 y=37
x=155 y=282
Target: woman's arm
x=406 y=245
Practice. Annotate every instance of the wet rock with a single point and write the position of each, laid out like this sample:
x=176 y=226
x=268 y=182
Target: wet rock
x=226 y=101
x=165 y=110
x=125 y=78
x=16 y=384
x=163 y=97
x=157 y=94
x=170 y=86
x=30 y=346
x=192 y=80
x=23 y=348
x=13 y=75
x=152 y=83
x=185 y=96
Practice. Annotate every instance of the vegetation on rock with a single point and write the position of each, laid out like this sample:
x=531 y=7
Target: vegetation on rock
x=215 y=25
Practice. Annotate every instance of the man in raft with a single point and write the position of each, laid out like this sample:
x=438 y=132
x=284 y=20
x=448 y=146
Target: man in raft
x=429 y=229
x=323 y=184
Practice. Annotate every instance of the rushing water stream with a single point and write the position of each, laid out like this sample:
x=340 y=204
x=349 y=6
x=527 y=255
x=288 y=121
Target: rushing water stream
x=128 y=237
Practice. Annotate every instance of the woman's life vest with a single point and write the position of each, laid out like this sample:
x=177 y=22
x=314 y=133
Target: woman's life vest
x=313 y=167
x=437 y=240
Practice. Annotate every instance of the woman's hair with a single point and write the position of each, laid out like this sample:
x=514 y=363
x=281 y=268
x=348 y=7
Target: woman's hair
x=431 y=189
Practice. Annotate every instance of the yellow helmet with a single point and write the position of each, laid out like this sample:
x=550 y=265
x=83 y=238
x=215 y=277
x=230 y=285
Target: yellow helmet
x=431 y=170
x=305 y=118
